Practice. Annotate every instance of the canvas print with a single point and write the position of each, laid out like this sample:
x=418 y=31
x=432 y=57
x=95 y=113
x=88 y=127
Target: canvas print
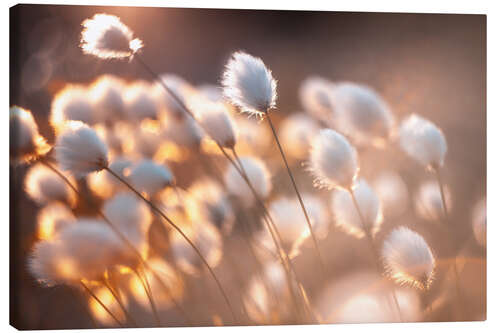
x=219 y=167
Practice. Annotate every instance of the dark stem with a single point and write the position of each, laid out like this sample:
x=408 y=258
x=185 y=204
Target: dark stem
x=91 y=293
x=309 y=224
x=147 y=290
x=186 y=238
x=119 y=301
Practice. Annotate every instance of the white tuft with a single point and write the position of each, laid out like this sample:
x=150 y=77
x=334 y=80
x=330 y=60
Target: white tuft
x=428 y=201
x=79 y=150
x=423 y=141
x=296 y=133
x=333 y=161
x=363 y=114
x=258 y=175
x=107 y=98
x=217 y=123
x=25 y=142
x=71 y=103
x=52 y=219
x=44 y=185
x=184 y=132
x=105 y=36
x=347 y=216
x=393 y=193
x=316 y=97
x=140 y=103
x=149 y=177
x=249 y=84
x=408 y=259
x=177 y=86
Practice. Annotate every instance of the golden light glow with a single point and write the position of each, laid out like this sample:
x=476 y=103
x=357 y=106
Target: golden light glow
x=99 y=313
x=51 y=219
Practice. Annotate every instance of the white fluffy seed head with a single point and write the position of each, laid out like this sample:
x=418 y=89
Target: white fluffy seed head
x=105 y=36
x=150 y=177
x=423 y=141
x=26 y=143
x=178 y=86
x=217 y=123
x=79 y=150
x=408 y=259
x=296 y=133
x=107 y=98
x=363 y=114
x=139 y=102
x=316 y=97
x=132 y=217
x=71 y=103
x=183 y=132
x=44 y=186
x=82 y=250
x=52 y=219
x=479 y=222
x=347 y=216
x=332 y=160
x=392 y=192
x=428 y=201
x=249 y=84
x=258 y=175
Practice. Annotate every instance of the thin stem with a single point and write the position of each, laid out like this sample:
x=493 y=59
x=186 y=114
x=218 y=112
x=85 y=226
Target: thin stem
x=119 y=301
x=441 y=191
x=91 y=293
x=371 y=242
x=309 y=224
x=186 y=238
x=147 y=290
x=122 y=238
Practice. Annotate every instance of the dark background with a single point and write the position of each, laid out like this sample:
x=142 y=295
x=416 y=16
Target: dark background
x=431 y=64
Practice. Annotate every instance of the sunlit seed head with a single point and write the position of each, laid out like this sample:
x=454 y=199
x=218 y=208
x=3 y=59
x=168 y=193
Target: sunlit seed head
x=79 y=150
x=210 y=203
x=44 y=186
x=479 y=222
x=178 y=86
x=249 y=84
x=408 y=259
x=184 y=133
x=106 y=37
x=259 y=177
x=316 y=97
x=110 y=302
x=423 y=141
x=332 y=160
x=104 y=184
x=169 y=277
x=212 y=92
x=106 y=94
x=392 y=192
x=296 y=133
x=52 y=219
x=26 y=144
x=206 y=238
x=71 y=103
x=139 y=102
x=150 y=177
x=428 y=201
x=347 y=216
x=217 y=123
x=132 y=217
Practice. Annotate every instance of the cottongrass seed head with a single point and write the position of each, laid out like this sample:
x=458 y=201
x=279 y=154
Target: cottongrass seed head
x=429 y=203
x=259 y=177
x=423 y=141
x=79 y=150
x=332 y=160
x=317 y=98
x=392 y=192
x=44 y=186
x=296 y=133
x=408 y=259
x=53 y=218
x=150 y=177
x=347 y=216
x=106 y=37
x=218 y=124
x=73 y=102
x=249 y=84
x=26 y=144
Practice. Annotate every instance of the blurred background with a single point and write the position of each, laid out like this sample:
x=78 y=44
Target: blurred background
x=431 y=64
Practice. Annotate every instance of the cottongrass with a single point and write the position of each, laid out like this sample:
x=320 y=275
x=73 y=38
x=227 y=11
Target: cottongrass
x=73 y=102
x=25 y=142
x=105 y=185
x=43 y=186
x=249 y=84
x=150 y=177
x=428 y=201
x=139 y=102
x=52 y=219
x=392 y=192
x=316 y=95
x=79 y=150
x=296 y=133
x=106 y=94
x=105 y=36
x=258 y=175
x=216 y=122
x=408 y=259
x=333 y=161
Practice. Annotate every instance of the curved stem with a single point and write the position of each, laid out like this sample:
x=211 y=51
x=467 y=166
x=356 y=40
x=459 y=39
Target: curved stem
x=309 y=224
x=373 y=248
x=147 y=290
x=186 y=238
x=91 y=293
x=441 y=191
x=122 y=238
x=119 y=301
